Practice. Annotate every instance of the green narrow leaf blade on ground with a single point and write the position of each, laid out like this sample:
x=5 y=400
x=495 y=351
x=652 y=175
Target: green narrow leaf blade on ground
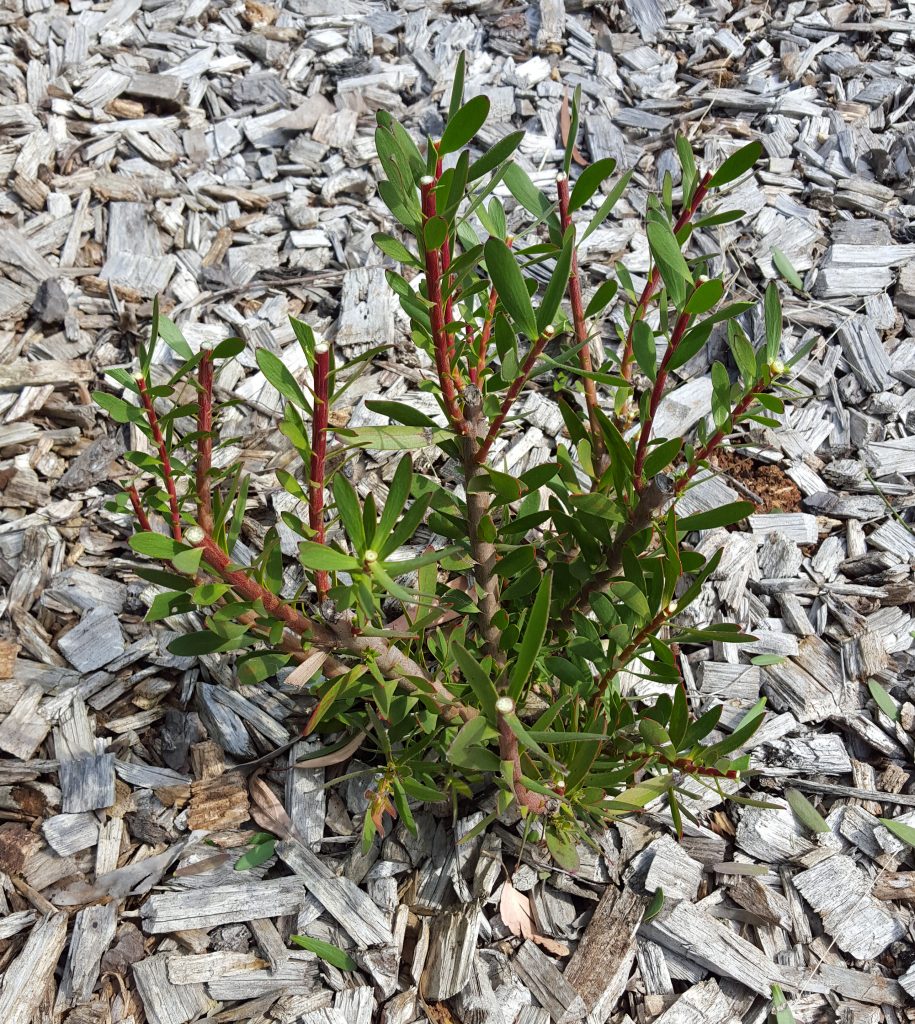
x=899 y=829
x=335 y=956
x=883 y=700
x=784 y=266
x=510 y=287
x=805 y=812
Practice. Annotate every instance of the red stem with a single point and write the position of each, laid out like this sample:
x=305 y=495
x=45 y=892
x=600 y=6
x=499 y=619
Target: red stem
x=706 y=450
x=321 y=377
x=686 y=215
x=657 y=393
x=138 y=510
x=483 y=350
x=511 y=395
x=581 y=326
x=440 y=340
x=205 y=442
x=153 y=421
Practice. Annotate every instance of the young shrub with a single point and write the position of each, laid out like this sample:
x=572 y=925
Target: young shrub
x=502 y=662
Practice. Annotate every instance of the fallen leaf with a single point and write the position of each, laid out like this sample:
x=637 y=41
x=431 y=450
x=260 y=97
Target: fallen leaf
x=267 y=811
x=515 y=911
x=305 y=672
x=565 y=126
x=335 y=756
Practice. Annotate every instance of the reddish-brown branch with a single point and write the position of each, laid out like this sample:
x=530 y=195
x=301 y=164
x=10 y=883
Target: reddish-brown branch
x=657 y=393
x=536 y=803
x=153 y=420
x=625 y=656
x=511 y=395
x=686 y=215
x=485 y=334
x=321 y=378
x=685 y=765
x=138 y=510
x=702 y=453
x=205 y=441
x=581 y=329
x=440 y=340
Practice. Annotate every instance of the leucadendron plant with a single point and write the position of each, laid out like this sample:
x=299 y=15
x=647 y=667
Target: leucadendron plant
x=495 y=657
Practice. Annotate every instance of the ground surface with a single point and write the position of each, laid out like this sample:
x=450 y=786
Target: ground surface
x=221 y=156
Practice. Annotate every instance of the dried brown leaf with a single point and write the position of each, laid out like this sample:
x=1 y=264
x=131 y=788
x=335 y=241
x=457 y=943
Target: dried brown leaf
x=335 y=757
x=267 y=810
x=515 y=911
x=565 y=126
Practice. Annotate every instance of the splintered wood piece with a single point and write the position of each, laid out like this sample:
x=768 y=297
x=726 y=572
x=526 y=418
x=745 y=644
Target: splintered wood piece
x=28 y=976
x=452 y=947
x=840 y=892
x=356 y=1005
x=24 y=729
x=218 y=803
x=691 y=933
x=346 y=903
x=222 y=904
x=599 y=968
x=87 y=783
x=164 y=1002
x=93 y=930
x=703 y=1002
x=548 y=985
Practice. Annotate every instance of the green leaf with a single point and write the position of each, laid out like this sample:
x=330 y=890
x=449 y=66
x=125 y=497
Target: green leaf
x=188 y=561
x=465 y=747
x=558 y=283
x=606 y=207
x=510 y=287
x=457 y=86
x=805 y=812
x=531 y=198
x=259 y=854
x=725 y=515
x=465 y=123
x=573 y=130
x=394 y=248
x=601 y=298
x=155 y=545
x=767 y=659
x=783 y=265
x=589 y=181
x=631 y=596
x=402 y=413
x=172 y=336
x=494 y=156
x=899 y=829
x=229 y=348
x=665 y=250
x=736 y=164
x=655 y=906
x=435 y=231
x=773 y=318
x=393 y=439
x=883 y=700
x=325 y=558
x=644 y=350
x=192 y=644
x=661 y=456
x=477 y=679
x=531 y=643
x=119 y=410
x=705 y=297
x=563 y=851
x=347 y=504
x=334 y=955
x=272 y=368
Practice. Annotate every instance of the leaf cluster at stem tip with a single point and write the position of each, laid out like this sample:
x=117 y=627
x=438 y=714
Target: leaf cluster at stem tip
x=493 y=633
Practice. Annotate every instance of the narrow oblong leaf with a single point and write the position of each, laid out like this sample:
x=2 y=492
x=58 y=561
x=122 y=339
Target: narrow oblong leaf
x=707 y=295
x=724 y=515
x=156 y=545
x=532 y=642
x=589 y=181
x=805 y=812
x=476 y=678
x=558 y=283
x=899 y=829
x=325 y=558
x=772 y=308
x=465 y=123
x=784 y=266
x=883 y=700
x=736 y=164
x=335 y=956
x=271 y=366
x=510 y=287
